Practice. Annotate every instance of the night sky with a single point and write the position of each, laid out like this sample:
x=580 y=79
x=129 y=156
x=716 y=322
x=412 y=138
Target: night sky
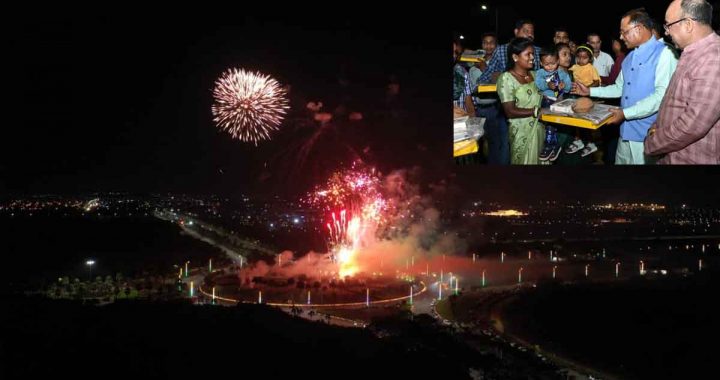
x=119 y=99
x=602 y=19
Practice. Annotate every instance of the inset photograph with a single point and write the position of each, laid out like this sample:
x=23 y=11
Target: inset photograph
x=631 y=86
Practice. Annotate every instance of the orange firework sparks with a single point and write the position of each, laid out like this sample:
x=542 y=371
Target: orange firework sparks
x=344 y=243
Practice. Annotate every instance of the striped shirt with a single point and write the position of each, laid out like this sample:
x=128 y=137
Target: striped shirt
x=688 y=124
x=462 y=88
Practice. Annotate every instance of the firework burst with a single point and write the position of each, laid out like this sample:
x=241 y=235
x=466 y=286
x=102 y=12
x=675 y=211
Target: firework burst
x=344 y=241
x=248 y=105
x=357 y=194
x=357 y=189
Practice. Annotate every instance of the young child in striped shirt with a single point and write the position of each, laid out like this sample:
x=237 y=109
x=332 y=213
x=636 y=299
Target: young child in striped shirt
x=552 y=83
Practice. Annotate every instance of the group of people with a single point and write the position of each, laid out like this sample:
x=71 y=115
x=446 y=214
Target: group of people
x=669 y=108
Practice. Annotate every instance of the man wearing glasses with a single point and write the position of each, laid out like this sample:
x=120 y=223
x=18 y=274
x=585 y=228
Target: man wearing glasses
x=687 y=130
x=641 y=85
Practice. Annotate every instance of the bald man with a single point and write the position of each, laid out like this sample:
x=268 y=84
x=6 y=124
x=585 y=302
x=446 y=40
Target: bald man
x=687 y=130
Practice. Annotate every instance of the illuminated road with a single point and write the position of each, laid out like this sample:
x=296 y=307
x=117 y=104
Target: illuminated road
x=425 y=302
x=319 y=306
x=238 y=252
x=308 y=311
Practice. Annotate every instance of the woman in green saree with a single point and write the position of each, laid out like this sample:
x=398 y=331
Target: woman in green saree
x=521 y=100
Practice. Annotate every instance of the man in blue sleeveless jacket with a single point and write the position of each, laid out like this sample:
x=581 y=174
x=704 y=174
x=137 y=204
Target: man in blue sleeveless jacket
x=641 y=85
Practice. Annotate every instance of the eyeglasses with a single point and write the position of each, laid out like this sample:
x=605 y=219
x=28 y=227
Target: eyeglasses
x=667 y=26
x=624 y=32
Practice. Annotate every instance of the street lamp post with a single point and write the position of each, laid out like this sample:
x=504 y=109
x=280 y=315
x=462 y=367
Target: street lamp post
x=484 y=8
x=520 y=275
x=497 y=20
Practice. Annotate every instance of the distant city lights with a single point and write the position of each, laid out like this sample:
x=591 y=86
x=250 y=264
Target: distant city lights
x=506 y=213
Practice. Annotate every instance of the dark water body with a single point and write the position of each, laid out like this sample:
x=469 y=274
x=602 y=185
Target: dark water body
x=39 y=249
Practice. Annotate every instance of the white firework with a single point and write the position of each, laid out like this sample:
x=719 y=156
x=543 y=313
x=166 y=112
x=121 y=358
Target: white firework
x=248 y=105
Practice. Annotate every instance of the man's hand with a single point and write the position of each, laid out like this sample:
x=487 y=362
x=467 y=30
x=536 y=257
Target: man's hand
x=458 y=112
x=652 y=129
x=618 y=116
x=495 y=77
x=580 y=89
